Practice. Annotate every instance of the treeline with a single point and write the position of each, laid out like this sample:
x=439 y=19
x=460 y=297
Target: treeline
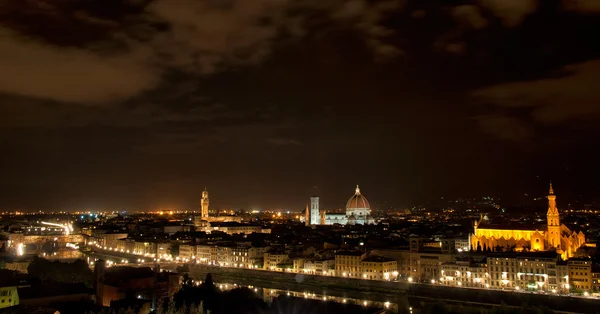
x=240 y=300
x=55 y=271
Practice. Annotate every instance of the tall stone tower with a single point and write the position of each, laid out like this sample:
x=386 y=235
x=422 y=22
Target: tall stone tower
x=315 y=215
x=553 y=221
x=204 y=204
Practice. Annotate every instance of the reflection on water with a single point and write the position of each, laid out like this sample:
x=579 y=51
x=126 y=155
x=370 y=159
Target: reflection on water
x=268 y=294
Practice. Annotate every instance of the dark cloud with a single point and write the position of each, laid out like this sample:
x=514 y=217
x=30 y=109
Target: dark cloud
x=199 y=37
x=568 y=97
x=470 y=15
x=507 y=128
x=511 y=12
x=283 y=141
x=582 y=6
x=143 y=103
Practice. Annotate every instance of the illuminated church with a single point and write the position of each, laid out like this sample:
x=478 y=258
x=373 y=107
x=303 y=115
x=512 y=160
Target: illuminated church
x=358 y=211
x=552 y=236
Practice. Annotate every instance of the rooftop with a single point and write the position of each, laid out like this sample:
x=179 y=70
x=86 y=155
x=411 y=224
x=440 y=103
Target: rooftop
x=530 y=227
x=350 y=253
x=378 y=259
x=232 y=224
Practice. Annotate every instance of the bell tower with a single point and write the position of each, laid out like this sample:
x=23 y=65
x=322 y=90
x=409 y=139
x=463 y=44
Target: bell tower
x=553 y=218
x=315 y=214
x=204 y=204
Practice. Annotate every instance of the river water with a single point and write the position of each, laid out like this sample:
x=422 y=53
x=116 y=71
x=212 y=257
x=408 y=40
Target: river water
x=268 y=294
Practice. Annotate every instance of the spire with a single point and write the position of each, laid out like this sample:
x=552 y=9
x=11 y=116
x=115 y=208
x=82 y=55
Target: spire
x=551 y=192
x=205 y=188
x=357 y=190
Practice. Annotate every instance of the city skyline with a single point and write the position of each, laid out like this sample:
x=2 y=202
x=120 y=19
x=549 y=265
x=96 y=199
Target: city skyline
x=201 y=205
x=140 y=104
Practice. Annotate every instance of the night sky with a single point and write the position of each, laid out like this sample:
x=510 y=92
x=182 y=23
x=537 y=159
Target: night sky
x=141 y=104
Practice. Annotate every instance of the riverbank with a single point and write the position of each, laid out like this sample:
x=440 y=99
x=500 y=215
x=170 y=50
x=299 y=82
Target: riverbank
x=397 y=292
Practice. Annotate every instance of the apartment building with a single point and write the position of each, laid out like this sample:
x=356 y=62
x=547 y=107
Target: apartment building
x=538 y=271
x=580 y=274
x=203 y=254
x=109 y=239
x=187 y=251
x=247 y=257
x=595 y=279
x=325 y=267
x=562 y=277
x=531 y=271
x=379 y=268
x=421 y=261
x=347 y=263
x=274 y=260
x=9 y=297
x=472 y=274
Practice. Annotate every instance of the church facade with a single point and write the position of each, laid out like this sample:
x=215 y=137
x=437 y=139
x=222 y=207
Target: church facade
x=552 y=236
x=358 y=211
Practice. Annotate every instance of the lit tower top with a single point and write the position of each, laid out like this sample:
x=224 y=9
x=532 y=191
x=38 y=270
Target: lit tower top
x=552 y=210
x=554 y=227
x=204 y=203
x=357 y=190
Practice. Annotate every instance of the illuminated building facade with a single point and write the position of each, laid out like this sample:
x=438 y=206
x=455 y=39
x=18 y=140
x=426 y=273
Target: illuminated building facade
x=348 y=264
x=422 y=262
x=464 y=273
x=379 y=268
x=580 y=274
x=9 y=297
x=273 y=260
x=526 y=271
x=358 y=211
x=552 y=236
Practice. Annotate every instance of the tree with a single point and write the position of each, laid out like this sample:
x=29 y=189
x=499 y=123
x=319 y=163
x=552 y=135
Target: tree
x=174 y=251
x=208 y=281
x=76 y=272
x=186 y=281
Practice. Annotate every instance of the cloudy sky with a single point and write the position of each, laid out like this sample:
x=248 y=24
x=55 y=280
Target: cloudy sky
x=140 y=104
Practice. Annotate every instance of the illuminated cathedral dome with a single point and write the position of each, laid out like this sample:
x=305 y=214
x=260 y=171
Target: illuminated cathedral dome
x=357 y=201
